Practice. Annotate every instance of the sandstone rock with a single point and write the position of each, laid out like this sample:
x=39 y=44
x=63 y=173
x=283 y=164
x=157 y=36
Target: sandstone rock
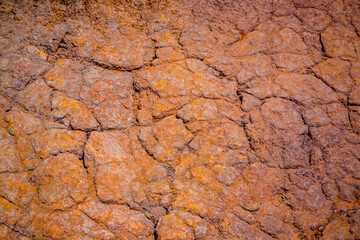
x=167 y=54
x=114 y=115
x=354 y=97
x=58 y=188
x=254 y=42
x=249 y=102
x=36 y=97
x=288 y=41
x=283 y=7
x=169 y=80
x=72 y=223
x=198 y=40
x=4 y=104
x=107 y=147
x=355 y=72
x=354 y=222
x=315 y=117
x=16 y=188
x=110 y=156
x=9 y=212
x=281 y=115
x=119 y=219
x=354 y=115
x=9 y=159
x=172 y=227
x=199 y=110
x=213 y=87
x=80 y=117
x=337 y=46
x=289 y=21
x=314 y=91
x=322 y=4
x=338 y=115
x=27 y=122
x=292 y=62
x=55 y=141
x=125 y=48
x=113 y=182
x=285 y=150
x=274 y=226
x=179 y=119
x=232 y=226
x=65 y=76
x=19 y=67
x=336 y=229
x=163 y=145
x=103 y=85
x=335 y=73
x=313 y=19
x=41 y=35
x=252 y=63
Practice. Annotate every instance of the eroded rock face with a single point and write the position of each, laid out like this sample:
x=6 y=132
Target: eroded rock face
x=180 y=120
x=62 y=180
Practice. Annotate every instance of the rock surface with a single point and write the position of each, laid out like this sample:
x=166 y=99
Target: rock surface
x=180 y=119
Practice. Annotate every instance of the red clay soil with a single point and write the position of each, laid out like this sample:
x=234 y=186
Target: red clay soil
x=180 y=119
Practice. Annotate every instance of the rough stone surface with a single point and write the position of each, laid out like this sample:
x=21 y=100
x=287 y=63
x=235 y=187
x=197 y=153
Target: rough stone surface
x=170 y=120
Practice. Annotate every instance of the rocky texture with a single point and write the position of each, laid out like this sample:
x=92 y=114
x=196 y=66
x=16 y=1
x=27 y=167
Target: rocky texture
x=180 y=119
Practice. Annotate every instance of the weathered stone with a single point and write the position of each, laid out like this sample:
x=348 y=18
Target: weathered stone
x=314 y=20
x=173 y=227
x=254 y=42
x=72 y=224
x=249 y=102
x=199 y=110
x=113 y=182
x=283 y=7
x=9 y=212
x=355 y=72
x=338 y=115
x=337 y=46
x=252 y=63
x=55 y=141
x=65 y=76
x=285 y=150
x=80 y=117
x=162 y=144
x=107 y=147
x=289 y=21
x=41 y=35
x=288 y=41
x=315 y=117
x=36 y=97
x=58 y=188
x=27 y=122
x=335 y=73
x=292 y=62
x=103 y=85
x=231 y=226
x=168 y=80
x=198 y=40
x=120 y=220
x=167 y=54
x=179 y=119
x=114 y=115
x=282 y=116
x=314 y=91
x=16 y=188
x=122 y=47
x=354 y=97
x=322 y=4
x=338 y=228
